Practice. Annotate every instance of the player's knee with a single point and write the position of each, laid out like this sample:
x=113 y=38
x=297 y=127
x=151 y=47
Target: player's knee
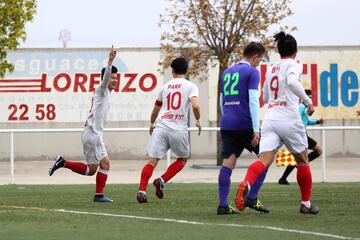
x=301 y=162
x=301 y=158
x=267 y=158
x=319 y=152
x=318 y=149
x=92 y=169
x=182 y=159
x=229 y=163
x=153 y=162
x=105 y=165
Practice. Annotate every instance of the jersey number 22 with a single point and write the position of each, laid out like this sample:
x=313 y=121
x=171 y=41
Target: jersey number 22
x=234 y=79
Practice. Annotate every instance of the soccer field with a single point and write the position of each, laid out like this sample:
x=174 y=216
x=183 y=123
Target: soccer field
x=188 y=211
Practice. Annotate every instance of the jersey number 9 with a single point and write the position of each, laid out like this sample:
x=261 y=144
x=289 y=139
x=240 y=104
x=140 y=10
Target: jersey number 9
x=274 y=86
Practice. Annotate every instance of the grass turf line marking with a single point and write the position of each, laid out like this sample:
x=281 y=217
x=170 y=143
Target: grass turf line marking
x=27 y=208
x=186 y=221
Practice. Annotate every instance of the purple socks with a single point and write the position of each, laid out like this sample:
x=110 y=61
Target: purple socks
x=224 y=185
x=254 y=190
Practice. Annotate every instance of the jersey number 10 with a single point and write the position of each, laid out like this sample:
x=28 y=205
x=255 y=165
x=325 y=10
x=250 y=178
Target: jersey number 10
x=173 y=100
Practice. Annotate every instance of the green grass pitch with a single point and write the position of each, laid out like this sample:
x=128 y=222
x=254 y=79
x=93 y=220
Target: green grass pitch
x=31 y=212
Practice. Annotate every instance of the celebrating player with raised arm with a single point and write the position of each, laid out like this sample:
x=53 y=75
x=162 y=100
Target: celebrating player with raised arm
x=171 y=132
x=92 y=136
x=282 y=123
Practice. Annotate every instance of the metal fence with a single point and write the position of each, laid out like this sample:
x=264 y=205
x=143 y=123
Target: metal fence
x=12 y=133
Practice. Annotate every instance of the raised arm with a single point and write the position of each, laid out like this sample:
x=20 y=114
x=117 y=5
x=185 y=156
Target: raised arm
x=107 y=74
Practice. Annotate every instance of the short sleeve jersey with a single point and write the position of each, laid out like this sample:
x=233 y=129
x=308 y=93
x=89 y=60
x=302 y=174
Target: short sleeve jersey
x=283 y=104
x=100 y=105
x=235 y=84
x=174 y=99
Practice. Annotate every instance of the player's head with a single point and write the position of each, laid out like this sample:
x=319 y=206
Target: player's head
x=308 y=92
x=179 y=66
x=113 y=70
x=253 y=53
x=286 y=44
x=113 y=80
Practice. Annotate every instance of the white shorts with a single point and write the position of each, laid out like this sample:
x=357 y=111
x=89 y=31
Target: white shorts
x=162 y=140
x=93 y=146
x=274 y=133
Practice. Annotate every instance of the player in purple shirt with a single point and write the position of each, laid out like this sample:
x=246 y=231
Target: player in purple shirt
x=240 y=129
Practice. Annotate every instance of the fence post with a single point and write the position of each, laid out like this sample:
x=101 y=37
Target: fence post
x=323 y=159
x=12 y=163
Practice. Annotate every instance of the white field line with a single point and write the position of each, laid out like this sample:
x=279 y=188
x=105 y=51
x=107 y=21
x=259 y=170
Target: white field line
x=187 y=222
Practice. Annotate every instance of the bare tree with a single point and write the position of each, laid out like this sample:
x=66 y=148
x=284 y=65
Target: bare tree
x=217 y=29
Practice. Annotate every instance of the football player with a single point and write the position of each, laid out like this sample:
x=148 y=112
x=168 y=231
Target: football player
x=282 y=123
x=95 y=152
x=240 y=126
x=171 y=112
x=312 y=144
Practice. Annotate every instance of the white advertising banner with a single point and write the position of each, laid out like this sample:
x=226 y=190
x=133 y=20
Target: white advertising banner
x=56 y=85
x=332 y=73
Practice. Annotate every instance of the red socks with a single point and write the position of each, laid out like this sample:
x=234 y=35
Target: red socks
x=304 y=180
x=173 y=169
x=148 y=169
x=77 y=167
x=255 y=169
x=101 y=178
x=83 y=169
x=145 y=176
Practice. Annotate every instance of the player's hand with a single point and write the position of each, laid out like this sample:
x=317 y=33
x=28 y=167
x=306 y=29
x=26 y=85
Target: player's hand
x=255 y=140
x=310 y=109
x=112 y=54
x=320 y=121
x=198 y=125
x=151 y=129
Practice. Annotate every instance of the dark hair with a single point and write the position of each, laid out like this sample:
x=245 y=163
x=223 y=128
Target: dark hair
x=286 y=44
x=253 y=48
x=180 y=65
x=113 y=70
x=308 y=92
